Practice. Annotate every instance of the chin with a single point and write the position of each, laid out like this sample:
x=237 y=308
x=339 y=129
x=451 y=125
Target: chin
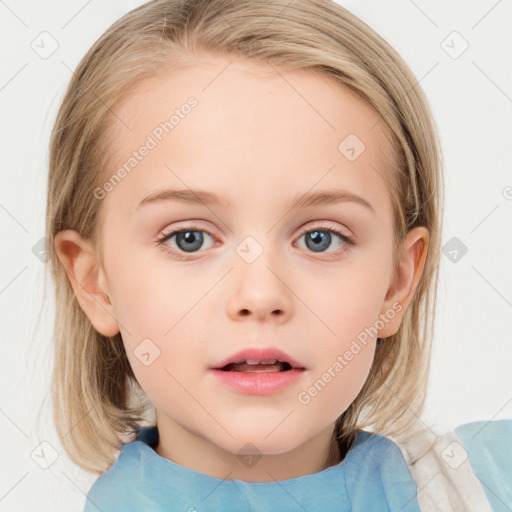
x=260 y=438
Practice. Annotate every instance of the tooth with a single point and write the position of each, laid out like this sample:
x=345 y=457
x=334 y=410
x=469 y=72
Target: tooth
x=253 y=362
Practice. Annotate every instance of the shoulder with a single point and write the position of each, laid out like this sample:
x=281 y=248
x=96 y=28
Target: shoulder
x=468 y=468
x=488 y=446
x=106 y=492
x=115 y=489
x=376 y=475
x=376 y=450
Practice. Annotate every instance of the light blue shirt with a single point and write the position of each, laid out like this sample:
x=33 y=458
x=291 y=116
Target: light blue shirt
x=373 y=476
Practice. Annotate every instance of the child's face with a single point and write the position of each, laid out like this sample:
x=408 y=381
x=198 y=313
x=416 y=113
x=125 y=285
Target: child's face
x=257 y=139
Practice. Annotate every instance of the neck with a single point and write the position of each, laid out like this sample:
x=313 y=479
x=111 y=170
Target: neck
x=199 y=454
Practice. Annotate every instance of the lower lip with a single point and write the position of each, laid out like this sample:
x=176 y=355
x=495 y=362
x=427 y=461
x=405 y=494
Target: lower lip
x=258 y=383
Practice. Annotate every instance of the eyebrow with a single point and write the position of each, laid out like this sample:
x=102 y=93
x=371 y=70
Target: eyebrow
x=208 y=198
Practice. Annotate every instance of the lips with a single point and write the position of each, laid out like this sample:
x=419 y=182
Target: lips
x=259 y=360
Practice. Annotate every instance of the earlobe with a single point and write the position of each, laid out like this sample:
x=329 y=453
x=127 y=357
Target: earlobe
x=401 y=291
x=87 y=279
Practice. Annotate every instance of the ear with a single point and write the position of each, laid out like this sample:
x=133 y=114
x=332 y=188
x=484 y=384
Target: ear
x=87 y=279
x=405 y=281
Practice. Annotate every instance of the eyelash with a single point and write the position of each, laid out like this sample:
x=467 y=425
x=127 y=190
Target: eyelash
x=161 y=241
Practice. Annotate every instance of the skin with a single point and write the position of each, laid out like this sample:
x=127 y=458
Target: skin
x=258 y=141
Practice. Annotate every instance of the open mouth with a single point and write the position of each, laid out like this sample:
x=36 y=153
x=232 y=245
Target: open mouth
x=258 y=371
x=272 y=365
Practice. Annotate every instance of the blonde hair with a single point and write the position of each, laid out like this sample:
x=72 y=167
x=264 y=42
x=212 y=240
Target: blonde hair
x=97 y=401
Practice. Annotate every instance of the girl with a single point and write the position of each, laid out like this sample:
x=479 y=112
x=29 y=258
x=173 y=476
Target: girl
x=280 y=362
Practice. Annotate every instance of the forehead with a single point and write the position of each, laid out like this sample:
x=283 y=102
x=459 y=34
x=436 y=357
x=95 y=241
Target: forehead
x=254 y=131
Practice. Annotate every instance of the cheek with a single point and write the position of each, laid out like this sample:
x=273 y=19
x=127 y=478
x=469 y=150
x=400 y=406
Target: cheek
x=335 y=385
x=344 y=302
x=167 y=366
x=347 y=303
x=160 y=324
x=155 y=300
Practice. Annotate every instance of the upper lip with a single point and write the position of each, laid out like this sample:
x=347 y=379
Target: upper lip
x=259 y=354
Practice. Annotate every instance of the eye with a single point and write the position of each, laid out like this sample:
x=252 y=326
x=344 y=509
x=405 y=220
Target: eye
x=190 y=239
x=187 y=239
x=321 y=238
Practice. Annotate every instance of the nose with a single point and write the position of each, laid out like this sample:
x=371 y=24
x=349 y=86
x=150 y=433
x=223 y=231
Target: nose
x=260 y=291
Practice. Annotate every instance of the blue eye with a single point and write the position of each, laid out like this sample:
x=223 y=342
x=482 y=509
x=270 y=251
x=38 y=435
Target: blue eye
x=318 y=240
x=190 y=239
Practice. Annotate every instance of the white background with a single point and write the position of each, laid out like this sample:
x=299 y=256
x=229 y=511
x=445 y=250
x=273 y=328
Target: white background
x=471 y=97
